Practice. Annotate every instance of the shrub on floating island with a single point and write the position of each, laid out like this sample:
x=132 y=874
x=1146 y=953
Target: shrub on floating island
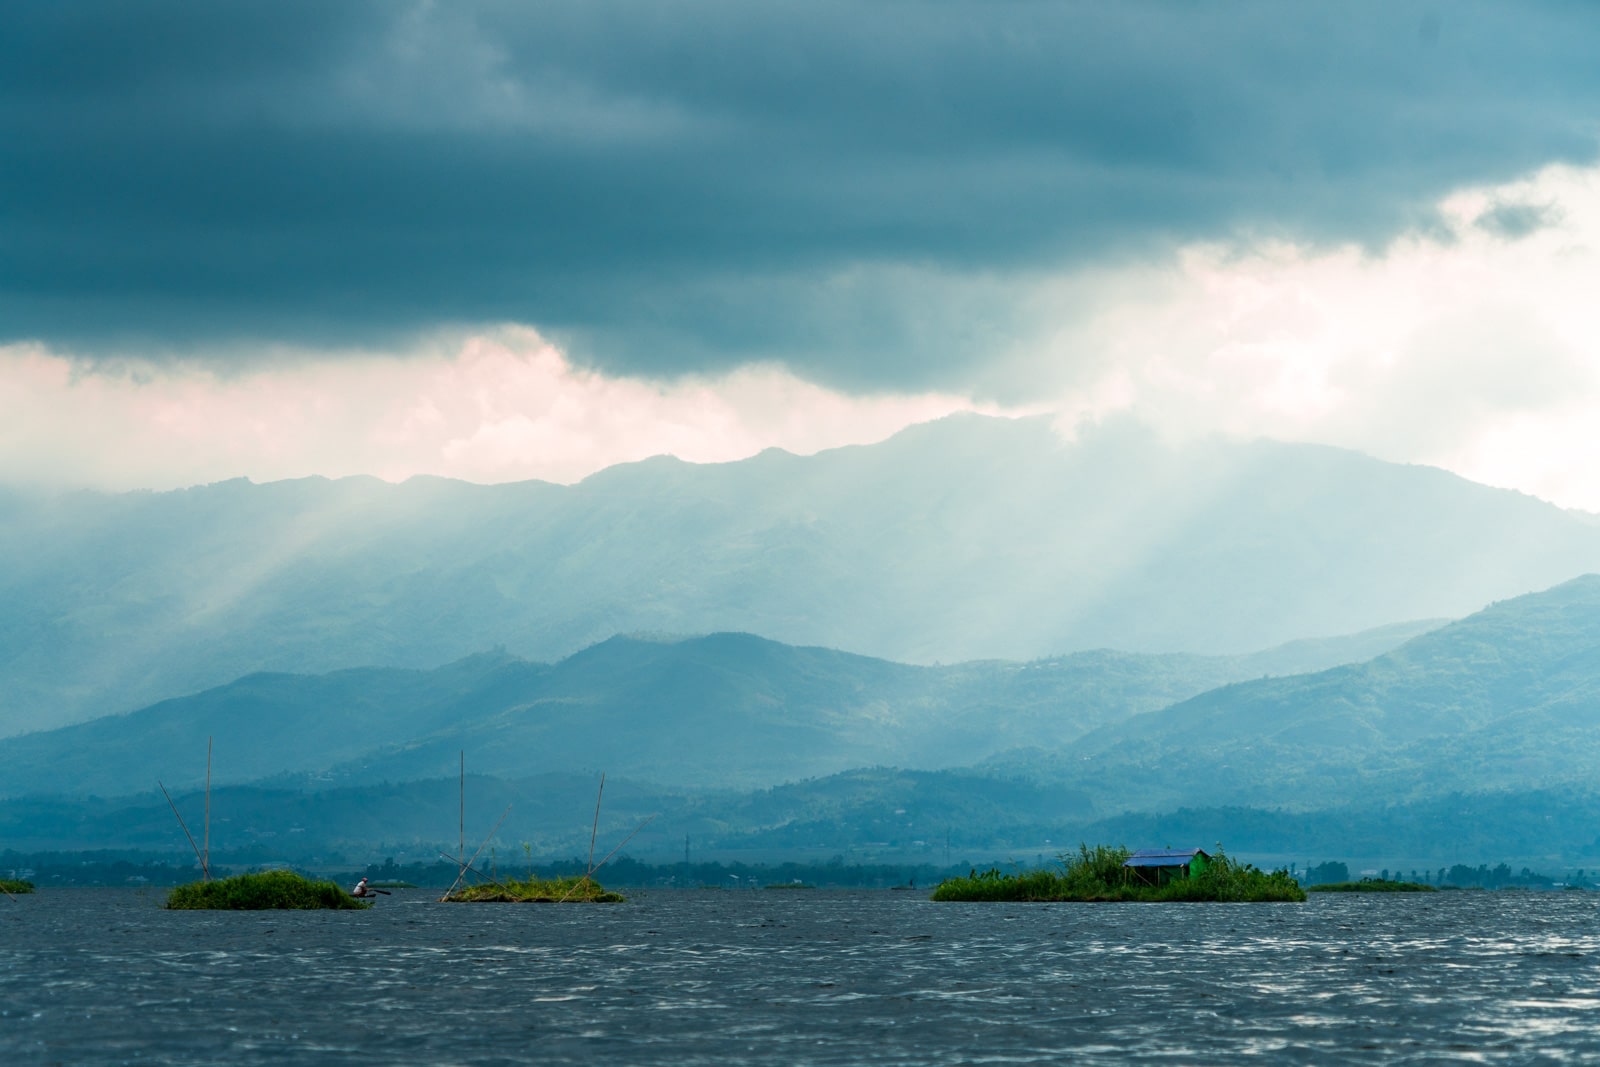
x=1097 y=874
x=1372 y=885
x=15 y=886
x=261 y=892
x=577 y=890
x=992 y=885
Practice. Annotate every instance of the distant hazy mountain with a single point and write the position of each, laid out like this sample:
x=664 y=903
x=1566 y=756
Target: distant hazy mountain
x=1476 y=741
x=1506 y=699
x=710 y=712
x=964 y=539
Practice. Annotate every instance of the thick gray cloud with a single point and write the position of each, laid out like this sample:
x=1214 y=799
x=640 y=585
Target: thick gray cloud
x=686 y=186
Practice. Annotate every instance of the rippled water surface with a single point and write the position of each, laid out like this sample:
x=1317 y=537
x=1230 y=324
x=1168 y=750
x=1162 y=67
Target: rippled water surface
x=105 y=976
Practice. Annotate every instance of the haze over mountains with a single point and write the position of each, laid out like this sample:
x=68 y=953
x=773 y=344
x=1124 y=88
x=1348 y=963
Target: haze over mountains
x=743 y=743
x=715 y=712
x=966 y=539
x=1506 y=699
x=1060 y=639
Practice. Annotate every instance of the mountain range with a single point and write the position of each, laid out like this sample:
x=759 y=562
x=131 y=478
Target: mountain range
x=1491 y=719
x=978 y=629
x=1505 y=699
x=714 y=712
x=966 y=539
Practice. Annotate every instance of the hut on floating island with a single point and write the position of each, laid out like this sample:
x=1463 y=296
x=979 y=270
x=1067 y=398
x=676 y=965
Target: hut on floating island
x=1158 y=866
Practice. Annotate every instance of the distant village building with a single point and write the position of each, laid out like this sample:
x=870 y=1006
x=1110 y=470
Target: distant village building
x=1158 y=866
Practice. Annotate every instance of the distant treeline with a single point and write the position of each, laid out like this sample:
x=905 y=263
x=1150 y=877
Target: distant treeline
x=97 y=868
x=1500 y=876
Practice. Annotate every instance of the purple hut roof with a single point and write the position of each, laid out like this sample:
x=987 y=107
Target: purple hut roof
x=1163 y=857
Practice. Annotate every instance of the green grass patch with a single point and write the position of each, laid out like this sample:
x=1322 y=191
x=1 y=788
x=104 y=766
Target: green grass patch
x=1097 y=874
x=790 y=885
x=1372 y=885
x=15 y=886
x=574 y=890
x=260 y=892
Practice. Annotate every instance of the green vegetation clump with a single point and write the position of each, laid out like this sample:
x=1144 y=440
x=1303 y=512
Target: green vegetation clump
x=1097 y=874
x=790 y=885
x=260 y=892
x=578 y=890
x=1373 y=885
x=991 y=885
x=15 y=886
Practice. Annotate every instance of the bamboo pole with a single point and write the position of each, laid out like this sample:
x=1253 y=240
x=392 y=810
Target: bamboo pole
x=461 y=845
x=205 y=864
x=181 y=823
x=607 y=860
x=480 y=874
x=467 y=865
x=625 y=840
x=595 y=829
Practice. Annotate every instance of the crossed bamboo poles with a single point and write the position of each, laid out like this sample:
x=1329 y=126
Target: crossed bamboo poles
x=203 y=855
x=590 y=866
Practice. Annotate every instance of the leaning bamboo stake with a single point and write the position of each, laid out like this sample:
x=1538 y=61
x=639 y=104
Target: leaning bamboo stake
x=625 y=840
x=186 y=833
x=607 y=860
x=595 y=829
x=474 y=858
x=480 y=874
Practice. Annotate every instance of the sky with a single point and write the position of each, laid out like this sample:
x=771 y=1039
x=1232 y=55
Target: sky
x=522 y=240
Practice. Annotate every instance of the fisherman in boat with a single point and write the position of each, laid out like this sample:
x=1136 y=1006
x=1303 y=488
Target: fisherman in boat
x=361 y=889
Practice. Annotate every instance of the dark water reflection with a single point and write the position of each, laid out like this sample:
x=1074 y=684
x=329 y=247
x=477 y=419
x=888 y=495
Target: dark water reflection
x=105 y=976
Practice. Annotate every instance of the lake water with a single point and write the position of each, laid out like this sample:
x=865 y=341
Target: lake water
x=105 y=976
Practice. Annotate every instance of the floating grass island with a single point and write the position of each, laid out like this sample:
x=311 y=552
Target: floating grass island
x=578 y=890
x=1097 y=874
x=15 y=886
x=1373 y=885
x=261 y=892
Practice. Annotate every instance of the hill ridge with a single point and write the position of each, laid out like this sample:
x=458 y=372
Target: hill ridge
x=964 y=539
x=675 y=712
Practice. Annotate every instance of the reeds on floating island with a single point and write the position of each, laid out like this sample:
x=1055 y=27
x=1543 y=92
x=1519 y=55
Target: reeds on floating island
x=15 y=886
x=266 y=891
x=531 y=890
x=1099 y=874
x=579 y=889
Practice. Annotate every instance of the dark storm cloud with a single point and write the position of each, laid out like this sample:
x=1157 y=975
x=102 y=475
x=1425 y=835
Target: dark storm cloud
x=685 y=186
